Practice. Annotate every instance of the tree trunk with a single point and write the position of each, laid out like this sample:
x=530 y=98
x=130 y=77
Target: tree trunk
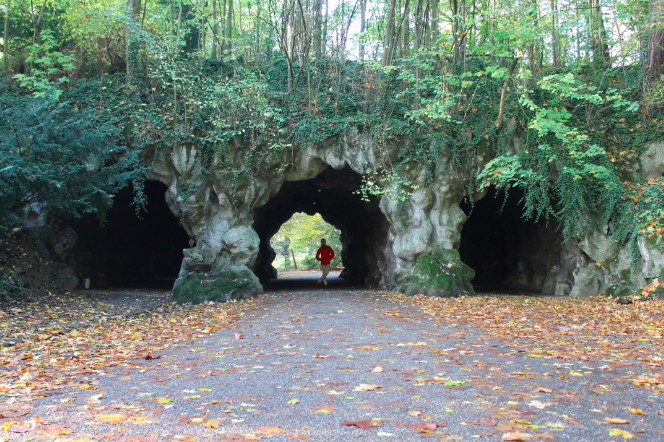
x=5 y=38
x=132 y=49
x=554 y=34
x=363 y=24
x=215 y=29
x=389 y=34
x=598 y=40
x=655 y=63
x=317 y=28
x=229 y=27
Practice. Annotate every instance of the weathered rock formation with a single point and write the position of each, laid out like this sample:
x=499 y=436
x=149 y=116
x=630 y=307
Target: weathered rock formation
x=416 y=244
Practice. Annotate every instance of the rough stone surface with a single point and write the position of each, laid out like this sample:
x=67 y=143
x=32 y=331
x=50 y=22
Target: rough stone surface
x=387 y=242
x=651 y=161
x=226 y=285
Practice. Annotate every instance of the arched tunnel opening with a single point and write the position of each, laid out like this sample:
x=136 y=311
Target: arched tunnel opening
x=364 y=228
x=507 y=252
x=130 y=249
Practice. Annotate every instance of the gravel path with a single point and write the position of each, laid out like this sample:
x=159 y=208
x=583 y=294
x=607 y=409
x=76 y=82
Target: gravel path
x=304 y=362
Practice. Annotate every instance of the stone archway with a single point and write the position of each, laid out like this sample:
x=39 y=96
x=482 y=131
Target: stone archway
x=366 y=248
x=406 y=243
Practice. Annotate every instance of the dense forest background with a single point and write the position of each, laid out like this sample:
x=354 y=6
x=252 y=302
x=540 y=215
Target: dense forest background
x=91 y=89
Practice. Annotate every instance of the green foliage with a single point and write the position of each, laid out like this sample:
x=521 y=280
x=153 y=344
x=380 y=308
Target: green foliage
x=61 y=158
x=49 y=68
x=390 y=184
x=11 y=286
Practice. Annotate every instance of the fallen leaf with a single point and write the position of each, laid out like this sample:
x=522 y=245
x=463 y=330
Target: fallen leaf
x=537 y=404
x=239 y=335
x=615 y=420
x=378 y=369
x=637 y=411
x=517 y=436
x=618 y=432
x=114 y=419
x=366 y=387
x=365 y=425
x=212 y=423
x=425 y=427
x=273 y=429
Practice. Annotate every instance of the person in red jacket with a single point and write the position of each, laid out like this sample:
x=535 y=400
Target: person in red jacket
x=324 y=255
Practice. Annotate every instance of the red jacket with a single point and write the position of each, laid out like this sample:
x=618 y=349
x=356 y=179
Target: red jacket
x=325 y=255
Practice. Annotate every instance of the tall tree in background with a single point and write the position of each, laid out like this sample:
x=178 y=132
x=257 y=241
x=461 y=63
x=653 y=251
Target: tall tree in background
x=654 y=64
x=5 y=38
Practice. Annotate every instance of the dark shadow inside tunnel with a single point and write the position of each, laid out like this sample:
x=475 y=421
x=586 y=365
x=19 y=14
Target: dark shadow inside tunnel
x=364 y=229
x=130 y=249
x=506 y=251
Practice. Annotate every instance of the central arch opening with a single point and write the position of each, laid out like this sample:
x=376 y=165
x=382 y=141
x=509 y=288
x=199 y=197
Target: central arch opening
x=506 y=251
x=298 y=239
x=364 y=228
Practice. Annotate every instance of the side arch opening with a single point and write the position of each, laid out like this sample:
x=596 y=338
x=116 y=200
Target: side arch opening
x=506 y=251
x=130 y=249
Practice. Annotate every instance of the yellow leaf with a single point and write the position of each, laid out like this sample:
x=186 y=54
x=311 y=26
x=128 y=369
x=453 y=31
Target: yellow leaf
x=213 y=423
x=163 y=400
x=618 y=432
x=637 y=411
x=204 y=390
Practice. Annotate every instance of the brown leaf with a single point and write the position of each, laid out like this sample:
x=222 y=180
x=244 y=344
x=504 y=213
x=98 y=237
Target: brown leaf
x=638 y=411
x=273 y=429
x=150 y=357
x=239 y=335
x=320 y=356
x=365 y=425
x=299 y=436
x=615 y=420
x=113 y=419
x=378 y=369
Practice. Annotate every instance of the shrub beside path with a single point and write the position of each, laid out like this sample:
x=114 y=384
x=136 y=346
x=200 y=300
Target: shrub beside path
x=341 y=364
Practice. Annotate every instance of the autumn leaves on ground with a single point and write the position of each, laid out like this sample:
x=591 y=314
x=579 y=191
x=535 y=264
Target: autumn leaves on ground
x=336 y=365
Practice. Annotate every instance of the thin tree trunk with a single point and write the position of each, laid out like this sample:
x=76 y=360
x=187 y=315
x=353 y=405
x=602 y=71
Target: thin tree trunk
x=229 y=27
x=363 y=23
x=215 y=28
x=554 y=34
x=655 y=63
x=317 y=29
x=405 y=29
x=132 y=55
x=5 y=38
x=389 y=34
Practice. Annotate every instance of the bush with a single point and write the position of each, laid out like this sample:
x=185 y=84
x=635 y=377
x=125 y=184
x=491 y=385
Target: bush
x=53 y=154
x=11 y=286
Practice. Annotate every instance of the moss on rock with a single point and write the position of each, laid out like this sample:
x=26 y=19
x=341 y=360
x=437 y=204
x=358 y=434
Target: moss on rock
x=220 y=286
x=440 y=274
